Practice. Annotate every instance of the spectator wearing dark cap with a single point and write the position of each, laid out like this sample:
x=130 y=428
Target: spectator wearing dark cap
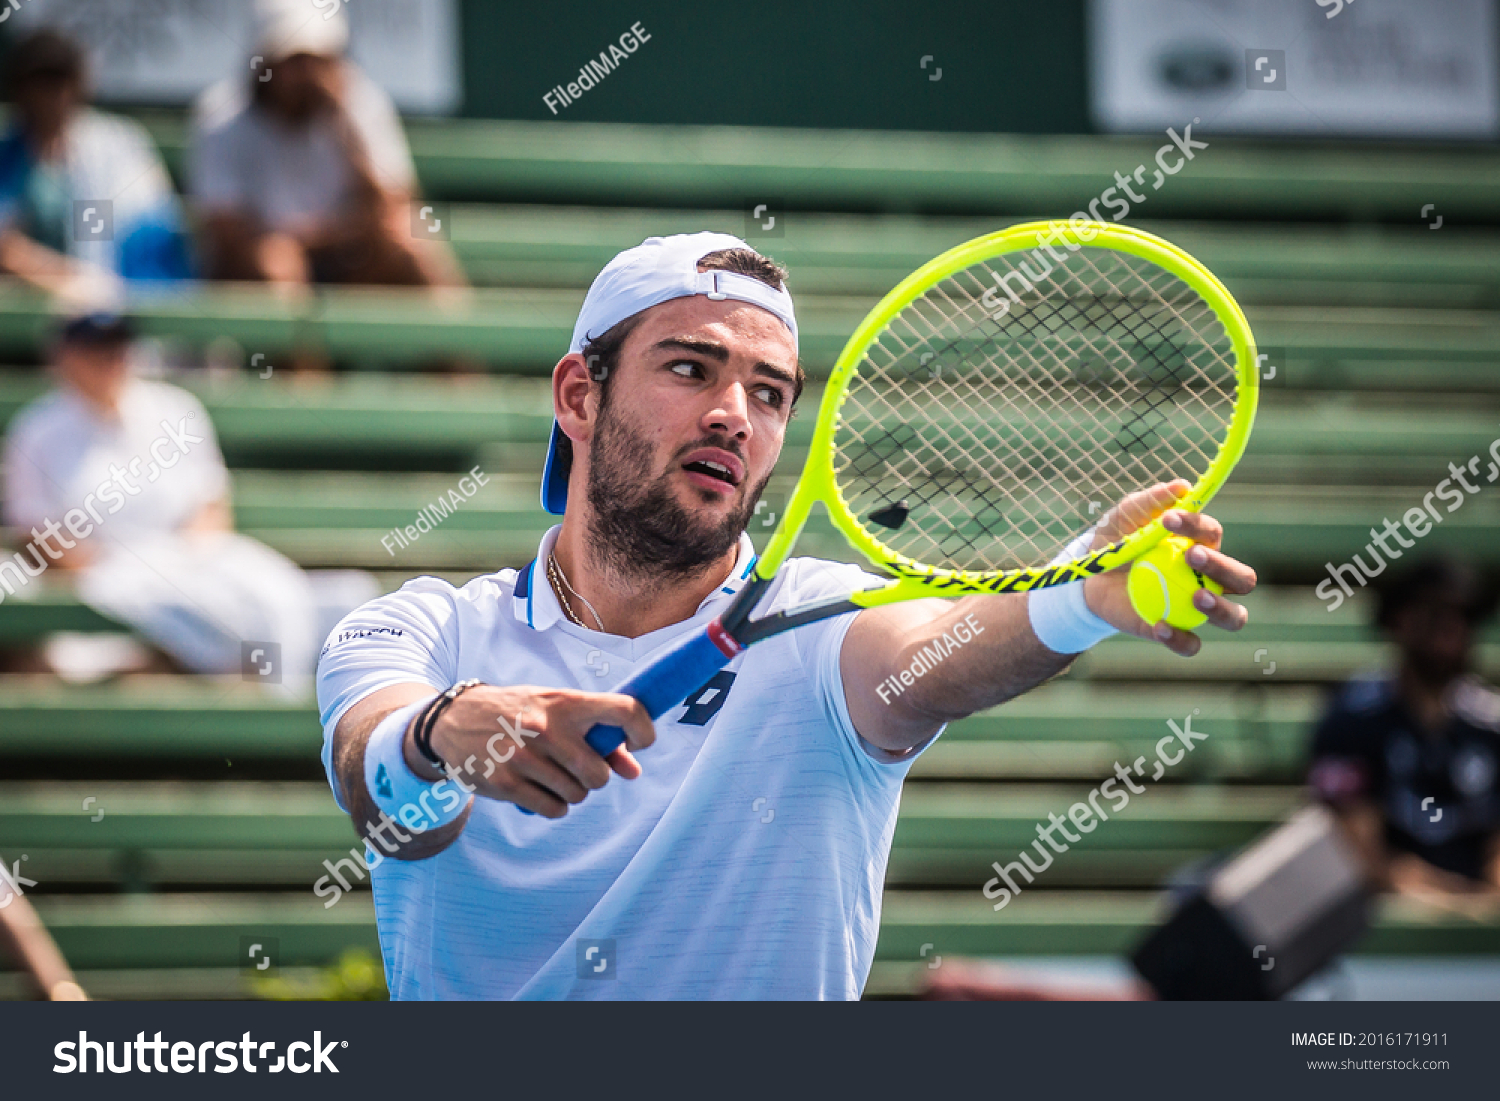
x=1410 y=759
x=84 y=200
x=121 y=482
x=300 y=170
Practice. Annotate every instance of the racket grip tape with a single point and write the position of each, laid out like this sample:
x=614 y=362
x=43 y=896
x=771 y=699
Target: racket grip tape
x=666 y=682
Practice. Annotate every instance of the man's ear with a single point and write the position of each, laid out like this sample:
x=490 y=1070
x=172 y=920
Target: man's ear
x=570 y=393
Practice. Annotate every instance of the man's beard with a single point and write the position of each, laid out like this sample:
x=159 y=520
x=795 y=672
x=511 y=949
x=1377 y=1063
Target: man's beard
x=639 y=530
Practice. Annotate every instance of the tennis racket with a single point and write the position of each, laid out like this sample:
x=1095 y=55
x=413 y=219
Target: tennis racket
x=982 y=413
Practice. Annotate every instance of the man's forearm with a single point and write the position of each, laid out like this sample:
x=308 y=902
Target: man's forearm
x=30 y=260
x=371 y=823
x=980 y=652
x=908 y=668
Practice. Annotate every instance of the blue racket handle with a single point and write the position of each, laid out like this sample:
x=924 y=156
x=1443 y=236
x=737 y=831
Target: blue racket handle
x=666 y=682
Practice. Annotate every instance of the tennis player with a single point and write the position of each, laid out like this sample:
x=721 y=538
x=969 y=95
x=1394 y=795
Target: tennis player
x=742 y=854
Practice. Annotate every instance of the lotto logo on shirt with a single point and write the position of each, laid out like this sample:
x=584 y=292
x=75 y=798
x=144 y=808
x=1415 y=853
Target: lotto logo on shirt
x=705 y=703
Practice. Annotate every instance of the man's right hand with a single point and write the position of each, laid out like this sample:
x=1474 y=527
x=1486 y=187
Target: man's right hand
x=525 y=745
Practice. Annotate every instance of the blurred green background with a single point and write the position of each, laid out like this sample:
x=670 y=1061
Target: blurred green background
x=1385 y=337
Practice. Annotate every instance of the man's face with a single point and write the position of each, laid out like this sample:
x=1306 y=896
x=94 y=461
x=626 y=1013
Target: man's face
x=303 y=85
x=46 y=102
x=691 y=428
x=97 y=370
x=1434 y=636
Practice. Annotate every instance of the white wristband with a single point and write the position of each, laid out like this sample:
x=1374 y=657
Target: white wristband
x=1059 y=615
x=1076 y=549
x=400 y=793
x=1062 y=620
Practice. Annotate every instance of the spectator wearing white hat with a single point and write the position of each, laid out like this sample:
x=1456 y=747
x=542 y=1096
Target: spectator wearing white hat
x=300 y=170
x=121 y=484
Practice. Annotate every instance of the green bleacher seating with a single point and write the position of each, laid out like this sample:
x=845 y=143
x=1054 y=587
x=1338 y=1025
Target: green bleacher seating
x=265 y=832
x=1265 y=264
x=1103 y=922
x=1316 y=439
x=187 y=931
x=1356 y=307
x=203 y=930
x=216 y=817
x=609 y=164
x=207 y=718
x=527 y=330
x=156 y=717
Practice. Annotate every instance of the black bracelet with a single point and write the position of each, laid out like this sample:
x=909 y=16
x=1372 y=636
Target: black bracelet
x=427 y=719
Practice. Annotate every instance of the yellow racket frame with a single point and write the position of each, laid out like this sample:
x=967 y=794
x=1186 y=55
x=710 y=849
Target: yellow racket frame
x=915 y=579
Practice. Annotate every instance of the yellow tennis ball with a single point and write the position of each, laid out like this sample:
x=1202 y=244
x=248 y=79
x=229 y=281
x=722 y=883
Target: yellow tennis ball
x=1162 y=584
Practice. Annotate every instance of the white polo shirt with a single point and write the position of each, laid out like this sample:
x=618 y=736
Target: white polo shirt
x=747 y=862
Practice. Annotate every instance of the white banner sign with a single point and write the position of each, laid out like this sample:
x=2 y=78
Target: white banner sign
x=1380 y=68
x=167 y=51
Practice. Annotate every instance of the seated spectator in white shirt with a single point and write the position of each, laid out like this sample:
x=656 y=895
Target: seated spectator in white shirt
x=300 y=169
x=84 y=199
x=120 y=483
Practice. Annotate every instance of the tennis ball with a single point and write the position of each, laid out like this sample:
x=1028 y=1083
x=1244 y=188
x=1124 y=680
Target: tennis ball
x=1162 y=584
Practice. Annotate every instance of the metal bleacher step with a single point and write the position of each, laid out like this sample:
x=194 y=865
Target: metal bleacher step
x=610 y=164
x=1058 y=922
x=131 y=933
x=1077 y=723
x=147 y=833
x=526 y=330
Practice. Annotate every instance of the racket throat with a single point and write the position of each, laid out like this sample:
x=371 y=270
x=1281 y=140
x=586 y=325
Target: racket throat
x=731 y=628
x=728 y=645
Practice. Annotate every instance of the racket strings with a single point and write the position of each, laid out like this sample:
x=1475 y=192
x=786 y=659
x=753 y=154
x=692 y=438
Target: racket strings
x=1134 y=430
x=1010 y=405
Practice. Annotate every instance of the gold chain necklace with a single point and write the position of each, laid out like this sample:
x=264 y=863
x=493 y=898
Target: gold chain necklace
x=559 y=583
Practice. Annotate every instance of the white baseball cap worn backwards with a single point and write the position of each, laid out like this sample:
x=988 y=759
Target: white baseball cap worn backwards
x=657 y=270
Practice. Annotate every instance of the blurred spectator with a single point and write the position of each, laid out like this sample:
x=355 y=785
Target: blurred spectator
x=300 y=169
x=84 y=199
x=1410 y=759
x=120 y=483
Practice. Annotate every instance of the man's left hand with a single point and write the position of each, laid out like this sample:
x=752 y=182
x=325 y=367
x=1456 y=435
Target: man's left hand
x=1106 y=593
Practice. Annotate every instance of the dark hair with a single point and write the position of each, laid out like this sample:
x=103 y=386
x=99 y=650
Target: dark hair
x=1429 y=579
x=43 y=54
x=745 y=261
